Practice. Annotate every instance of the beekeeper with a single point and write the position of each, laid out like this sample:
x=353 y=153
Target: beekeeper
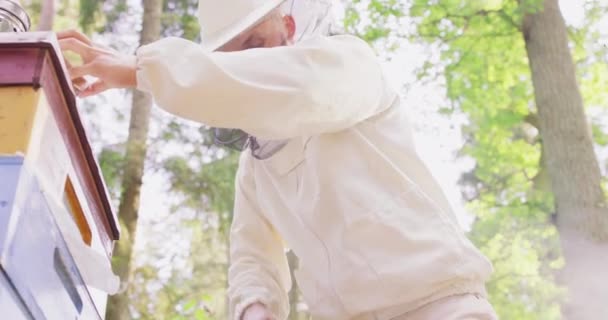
x=329 y=167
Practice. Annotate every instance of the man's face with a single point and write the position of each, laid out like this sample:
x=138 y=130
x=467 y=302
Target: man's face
x=275 y=30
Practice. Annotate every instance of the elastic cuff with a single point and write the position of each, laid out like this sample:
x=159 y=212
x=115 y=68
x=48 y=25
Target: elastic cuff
x=141 y=80
x=143 y=83
x=243 y=305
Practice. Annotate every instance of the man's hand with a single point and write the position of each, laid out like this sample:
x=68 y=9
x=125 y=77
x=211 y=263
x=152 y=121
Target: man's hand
x=111 y=69
x=257 y=311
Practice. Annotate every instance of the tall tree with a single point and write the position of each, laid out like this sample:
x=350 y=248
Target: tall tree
x=580 y=203
x=47 y=15
x=294 y=294
x=128 y=211
x=528 y=127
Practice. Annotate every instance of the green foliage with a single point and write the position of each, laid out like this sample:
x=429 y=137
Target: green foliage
x=194 y=289
x=201 y=181
x=205 y=185
x=180 y=19
x=89 y=12
x=112 y=162
x=67 y=13
x=488 y=78
x=381 y=19
x=99 y=15
x=599 y=135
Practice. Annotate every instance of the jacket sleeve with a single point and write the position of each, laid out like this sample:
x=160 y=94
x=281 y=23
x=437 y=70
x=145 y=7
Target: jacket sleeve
x=319 y=85
x=258 y=271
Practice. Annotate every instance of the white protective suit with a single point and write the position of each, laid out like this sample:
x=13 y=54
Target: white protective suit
x=374 y=232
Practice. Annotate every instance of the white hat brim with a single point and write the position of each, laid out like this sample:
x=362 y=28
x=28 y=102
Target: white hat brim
x=232 y=31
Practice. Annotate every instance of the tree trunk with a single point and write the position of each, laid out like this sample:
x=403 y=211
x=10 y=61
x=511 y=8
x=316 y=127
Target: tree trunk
x=118 y=305
x=582 y=217
x=47 y=15
x=294 y=296
x=227 y=271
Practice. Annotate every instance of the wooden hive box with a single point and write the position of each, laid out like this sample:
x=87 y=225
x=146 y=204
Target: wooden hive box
x=57 y=227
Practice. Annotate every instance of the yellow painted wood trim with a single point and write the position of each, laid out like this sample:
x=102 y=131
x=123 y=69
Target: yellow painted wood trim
x=18 y=106
x=77 y=212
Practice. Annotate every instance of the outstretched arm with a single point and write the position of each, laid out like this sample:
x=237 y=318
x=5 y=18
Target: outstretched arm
x=259 y=273
x=323 y=84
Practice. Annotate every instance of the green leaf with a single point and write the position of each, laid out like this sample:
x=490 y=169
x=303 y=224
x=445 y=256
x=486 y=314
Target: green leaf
x=599 y=136
x=201 y=315
x=191 y=304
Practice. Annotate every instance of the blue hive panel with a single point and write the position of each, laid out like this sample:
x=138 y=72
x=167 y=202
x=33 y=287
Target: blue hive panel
x=10 y=305
x=10 y=169
x=35 y=256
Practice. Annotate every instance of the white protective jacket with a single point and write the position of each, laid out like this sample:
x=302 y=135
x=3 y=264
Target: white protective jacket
x=348 y=194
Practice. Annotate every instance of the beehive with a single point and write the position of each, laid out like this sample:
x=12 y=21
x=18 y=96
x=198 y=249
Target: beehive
x=57 y=228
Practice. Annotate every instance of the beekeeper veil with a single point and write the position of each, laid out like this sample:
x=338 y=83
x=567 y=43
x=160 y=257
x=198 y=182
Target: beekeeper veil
x=312 y=18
